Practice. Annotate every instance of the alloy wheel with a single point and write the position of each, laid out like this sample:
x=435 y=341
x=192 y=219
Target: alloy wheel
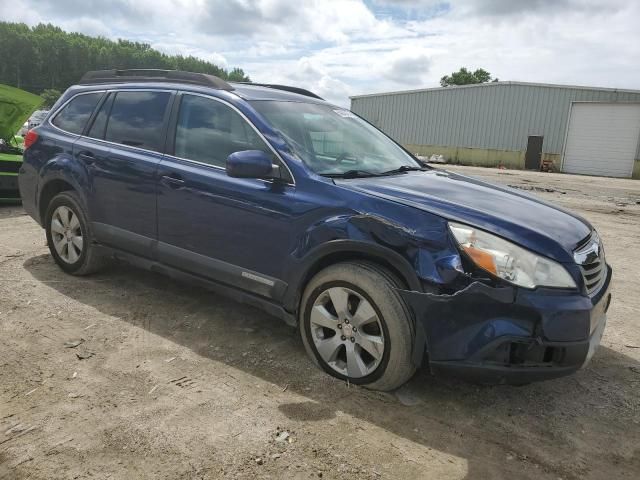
x=66 y=234
x=347 y=332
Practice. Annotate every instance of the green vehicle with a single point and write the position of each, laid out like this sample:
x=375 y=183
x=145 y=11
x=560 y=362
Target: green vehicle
x=15 y=107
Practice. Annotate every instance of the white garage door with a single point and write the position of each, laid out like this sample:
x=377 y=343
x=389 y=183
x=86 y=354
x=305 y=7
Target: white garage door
x=602 y=139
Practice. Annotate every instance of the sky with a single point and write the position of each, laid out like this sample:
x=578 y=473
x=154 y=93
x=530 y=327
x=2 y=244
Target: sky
x=339 y=48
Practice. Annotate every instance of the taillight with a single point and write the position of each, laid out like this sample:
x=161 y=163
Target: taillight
x=30 y=138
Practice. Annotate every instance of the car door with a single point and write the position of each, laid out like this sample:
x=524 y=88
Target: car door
x=235 y=231
x=122 y=150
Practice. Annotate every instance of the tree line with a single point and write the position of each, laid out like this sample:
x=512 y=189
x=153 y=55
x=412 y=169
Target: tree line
x=47 y=60
x=467 y=77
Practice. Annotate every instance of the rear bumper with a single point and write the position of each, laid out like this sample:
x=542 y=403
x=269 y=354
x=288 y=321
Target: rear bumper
x=508 y=335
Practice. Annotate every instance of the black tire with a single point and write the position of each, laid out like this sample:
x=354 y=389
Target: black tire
x=89 y=260
x=377 y=286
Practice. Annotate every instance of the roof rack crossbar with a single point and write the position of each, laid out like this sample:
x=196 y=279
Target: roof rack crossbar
x=153 y=75
x=286 y=88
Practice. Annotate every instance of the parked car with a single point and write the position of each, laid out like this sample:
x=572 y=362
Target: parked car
x=24 y=129
x=284 y=201
x=36 y=118
x=15 y=106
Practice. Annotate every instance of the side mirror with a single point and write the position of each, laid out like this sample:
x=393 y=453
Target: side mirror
x=251 y=164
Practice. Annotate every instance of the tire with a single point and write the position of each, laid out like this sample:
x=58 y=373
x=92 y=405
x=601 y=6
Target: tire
x=380 y=351
x=71 y=245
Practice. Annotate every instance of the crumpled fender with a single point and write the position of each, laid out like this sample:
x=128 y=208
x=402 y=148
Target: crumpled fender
x=426 y=249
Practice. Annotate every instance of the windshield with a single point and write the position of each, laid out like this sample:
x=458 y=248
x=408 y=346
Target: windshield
x=333 y=141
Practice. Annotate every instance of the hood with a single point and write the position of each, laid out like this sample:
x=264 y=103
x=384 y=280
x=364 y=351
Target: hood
x=15 y=107
x=518 y=217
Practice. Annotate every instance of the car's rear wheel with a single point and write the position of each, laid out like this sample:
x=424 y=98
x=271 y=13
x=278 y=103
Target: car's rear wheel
x=69 y=236
x=356 y=327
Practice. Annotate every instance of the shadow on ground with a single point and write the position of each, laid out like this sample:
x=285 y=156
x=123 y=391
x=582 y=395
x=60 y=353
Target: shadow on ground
x=586 y=425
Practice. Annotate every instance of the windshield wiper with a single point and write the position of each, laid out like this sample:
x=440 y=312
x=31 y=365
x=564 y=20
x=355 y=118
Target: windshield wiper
x=404 y=168
x=365 y=173
x=351 y=174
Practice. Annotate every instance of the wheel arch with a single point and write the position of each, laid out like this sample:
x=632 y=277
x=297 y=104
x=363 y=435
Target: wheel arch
x=339 y=251
x=49 y=190
x=61 y=173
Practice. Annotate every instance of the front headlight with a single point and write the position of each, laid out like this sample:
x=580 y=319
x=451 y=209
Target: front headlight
x=509 y=261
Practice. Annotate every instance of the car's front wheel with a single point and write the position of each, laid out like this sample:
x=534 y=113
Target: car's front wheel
x=69 y=236
x=356 y=327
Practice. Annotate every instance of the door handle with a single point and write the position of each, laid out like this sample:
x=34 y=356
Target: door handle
x=173 y=180
x=87 y=157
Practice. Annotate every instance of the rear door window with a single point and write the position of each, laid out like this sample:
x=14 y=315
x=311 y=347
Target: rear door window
x=74 y=116
x=100 y=122
x=137 y=119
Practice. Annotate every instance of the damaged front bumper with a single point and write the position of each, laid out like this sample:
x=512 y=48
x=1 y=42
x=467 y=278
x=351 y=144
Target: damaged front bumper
x=508 y=334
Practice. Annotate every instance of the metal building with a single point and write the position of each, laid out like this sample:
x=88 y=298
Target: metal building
x=584 y=130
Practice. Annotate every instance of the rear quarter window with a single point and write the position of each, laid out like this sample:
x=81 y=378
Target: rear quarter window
x=75 y=114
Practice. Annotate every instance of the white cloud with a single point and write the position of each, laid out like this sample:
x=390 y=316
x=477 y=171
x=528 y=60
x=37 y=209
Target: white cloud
x=500 y=8
x=344 y=47
x=406 y=66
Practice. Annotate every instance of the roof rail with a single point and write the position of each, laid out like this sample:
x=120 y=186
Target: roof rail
x=153 y=75
x=300 y=91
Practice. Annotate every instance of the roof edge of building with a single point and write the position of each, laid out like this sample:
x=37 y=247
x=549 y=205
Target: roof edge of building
x=495 y=84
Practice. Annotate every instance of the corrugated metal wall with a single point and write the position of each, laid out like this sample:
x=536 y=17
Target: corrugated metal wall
x=496 y=116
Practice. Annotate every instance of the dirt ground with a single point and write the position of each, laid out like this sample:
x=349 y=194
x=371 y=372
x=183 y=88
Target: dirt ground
x=178 y=383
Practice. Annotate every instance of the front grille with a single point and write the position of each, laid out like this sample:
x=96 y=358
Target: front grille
x=593 y=274
x=590 y=257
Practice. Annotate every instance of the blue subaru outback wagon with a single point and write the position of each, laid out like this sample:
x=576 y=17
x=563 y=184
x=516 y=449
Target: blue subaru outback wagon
x=281 y=200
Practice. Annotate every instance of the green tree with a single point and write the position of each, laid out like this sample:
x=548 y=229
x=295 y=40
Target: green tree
x=44 y=59
x=50 y=96
x=238 y=75
x=466 y=77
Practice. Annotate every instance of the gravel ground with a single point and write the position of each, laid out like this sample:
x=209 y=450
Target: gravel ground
x=175 y=382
